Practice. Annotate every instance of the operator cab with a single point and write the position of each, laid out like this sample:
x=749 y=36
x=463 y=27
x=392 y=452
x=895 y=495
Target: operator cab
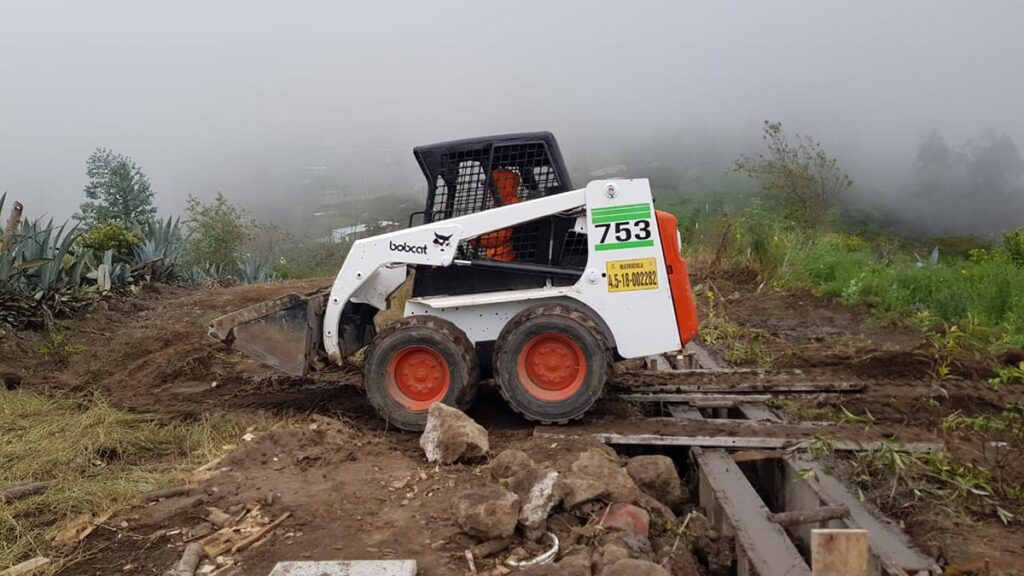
x=477 y=174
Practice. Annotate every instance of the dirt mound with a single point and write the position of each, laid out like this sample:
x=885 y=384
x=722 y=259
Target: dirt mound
x=152 y=354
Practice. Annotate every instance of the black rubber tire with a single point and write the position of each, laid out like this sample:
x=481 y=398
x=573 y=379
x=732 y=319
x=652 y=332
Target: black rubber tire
x=567 y=321
x=436 y=333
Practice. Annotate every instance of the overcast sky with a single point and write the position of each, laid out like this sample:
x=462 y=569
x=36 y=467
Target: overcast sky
x=217 y=95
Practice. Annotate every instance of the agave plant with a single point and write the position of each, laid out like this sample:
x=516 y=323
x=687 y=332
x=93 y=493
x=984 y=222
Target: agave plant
x=252 y=270
x=40 y=273
x=159 y=254
x=119 y=274
x=209 y=275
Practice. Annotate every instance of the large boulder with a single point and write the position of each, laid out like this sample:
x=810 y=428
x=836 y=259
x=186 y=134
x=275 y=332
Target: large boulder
x=657 y=476
x=451 y=436
x=490 y=513
x=633 y=567
x=539 y=492
x=596 y=475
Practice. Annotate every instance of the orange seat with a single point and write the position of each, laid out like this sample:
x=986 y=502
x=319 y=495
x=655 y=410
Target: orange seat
x=498 y=244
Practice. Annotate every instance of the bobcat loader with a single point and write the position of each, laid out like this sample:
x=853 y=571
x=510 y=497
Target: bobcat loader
x=518 y=276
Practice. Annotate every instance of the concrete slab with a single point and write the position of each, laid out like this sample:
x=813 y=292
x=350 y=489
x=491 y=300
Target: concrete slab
x=346 y=568
x=763 y=547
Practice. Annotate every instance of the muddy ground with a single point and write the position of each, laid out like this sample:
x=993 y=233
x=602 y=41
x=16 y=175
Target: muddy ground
x=357 y=490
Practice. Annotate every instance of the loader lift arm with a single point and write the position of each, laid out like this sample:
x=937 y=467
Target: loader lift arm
x=376 y=266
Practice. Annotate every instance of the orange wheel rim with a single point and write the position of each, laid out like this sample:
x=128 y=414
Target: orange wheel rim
x=418 y=376
x=551 y=367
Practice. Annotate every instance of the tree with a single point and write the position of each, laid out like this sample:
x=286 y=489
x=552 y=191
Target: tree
x=216 y=231
x=117 y=191
x=937 y=170
x=799 y=174
x=995 y=166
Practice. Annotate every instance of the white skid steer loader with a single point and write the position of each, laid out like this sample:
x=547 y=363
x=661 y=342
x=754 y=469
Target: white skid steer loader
x=517 y=275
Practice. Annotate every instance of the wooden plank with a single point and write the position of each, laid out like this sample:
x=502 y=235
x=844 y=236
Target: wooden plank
x=766 y=549
x=802 y=517
x=839 y=552
x=742 y=388
x=888 y=544
x=758 y=412
x=699 y=400
x=735 y=442
x=27 y=567
x=685 y=411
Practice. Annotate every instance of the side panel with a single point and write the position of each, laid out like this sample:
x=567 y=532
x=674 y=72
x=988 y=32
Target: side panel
x=626 y=280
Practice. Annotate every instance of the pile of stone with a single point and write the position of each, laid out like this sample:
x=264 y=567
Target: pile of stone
x=609 y=516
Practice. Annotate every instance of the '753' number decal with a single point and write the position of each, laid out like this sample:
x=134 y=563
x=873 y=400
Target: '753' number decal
x=624 y=234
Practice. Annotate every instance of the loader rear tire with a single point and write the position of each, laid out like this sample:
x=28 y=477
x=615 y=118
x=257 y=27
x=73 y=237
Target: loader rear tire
x=415 y=362
x=551 y=363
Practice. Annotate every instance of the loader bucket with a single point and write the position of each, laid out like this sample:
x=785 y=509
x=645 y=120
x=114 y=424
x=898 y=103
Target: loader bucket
x=283 y=333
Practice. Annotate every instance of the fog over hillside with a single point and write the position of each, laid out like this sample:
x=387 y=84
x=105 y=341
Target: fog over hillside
x=262 y=100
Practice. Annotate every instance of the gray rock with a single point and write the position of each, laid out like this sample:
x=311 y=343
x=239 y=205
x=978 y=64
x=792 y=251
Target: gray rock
x=509 y=463
x=609 y=554
x=576 y=563
x=579 y=489
x=451 y=436
x=661 y=516
x=489 y=513
x=633 y=567
x=539 y=492
x=657 y=476
x=597 y=466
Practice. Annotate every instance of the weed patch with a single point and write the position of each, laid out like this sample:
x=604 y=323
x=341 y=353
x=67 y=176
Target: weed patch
x=98 y=459
x=900 y=483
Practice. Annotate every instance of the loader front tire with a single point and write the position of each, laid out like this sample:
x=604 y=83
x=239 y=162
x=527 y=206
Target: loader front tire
x=415 y=362
x=551 y=363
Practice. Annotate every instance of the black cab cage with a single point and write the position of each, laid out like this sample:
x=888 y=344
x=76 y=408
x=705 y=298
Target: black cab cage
x=461 y=173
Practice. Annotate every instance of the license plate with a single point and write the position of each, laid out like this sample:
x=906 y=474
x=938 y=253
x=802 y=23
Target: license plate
x=639 y=274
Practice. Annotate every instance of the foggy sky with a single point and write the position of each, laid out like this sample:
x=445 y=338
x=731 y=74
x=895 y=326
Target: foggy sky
x=227 y=95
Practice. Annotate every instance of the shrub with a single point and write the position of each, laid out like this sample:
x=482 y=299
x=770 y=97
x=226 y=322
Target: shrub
x=1014 y=244
x=797 y=173
x=216 y=231
x=111 y=236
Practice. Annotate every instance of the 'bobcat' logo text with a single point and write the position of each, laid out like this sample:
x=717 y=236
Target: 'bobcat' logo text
x=408 y=248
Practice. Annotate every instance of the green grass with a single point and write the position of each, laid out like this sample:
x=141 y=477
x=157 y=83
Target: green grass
x=983 y=296
x=98 y=459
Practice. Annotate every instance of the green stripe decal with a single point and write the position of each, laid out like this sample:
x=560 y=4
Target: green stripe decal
x=625 y=216
x=624 y=208
x=621 y=245
x=620 y=213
